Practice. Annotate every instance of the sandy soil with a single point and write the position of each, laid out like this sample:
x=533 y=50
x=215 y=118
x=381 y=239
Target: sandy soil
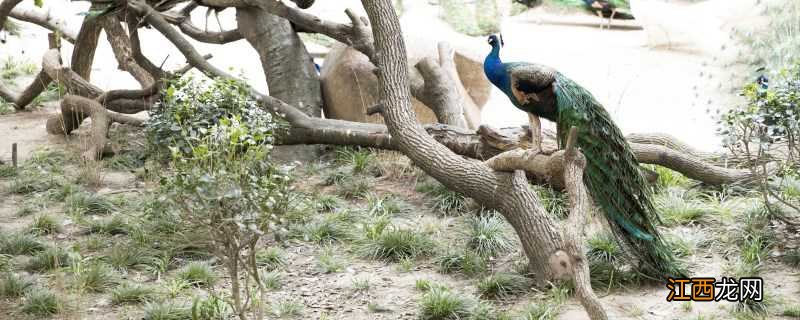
x=645 y=89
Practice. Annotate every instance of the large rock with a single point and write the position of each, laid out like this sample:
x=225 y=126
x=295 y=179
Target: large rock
x=349 y=85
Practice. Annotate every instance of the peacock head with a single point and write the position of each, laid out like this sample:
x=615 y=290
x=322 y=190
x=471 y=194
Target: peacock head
x=496 y=41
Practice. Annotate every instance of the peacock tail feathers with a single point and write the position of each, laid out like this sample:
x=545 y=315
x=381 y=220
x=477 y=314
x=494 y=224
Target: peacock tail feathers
x=613 y=177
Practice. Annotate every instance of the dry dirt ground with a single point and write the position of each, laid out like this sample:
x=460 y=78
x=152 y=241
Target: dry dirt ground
x=646 y=90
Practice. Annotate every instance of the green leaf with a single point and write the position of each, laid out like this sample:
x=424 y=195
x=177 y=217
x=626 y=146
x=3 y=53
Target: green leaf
x=38 y=3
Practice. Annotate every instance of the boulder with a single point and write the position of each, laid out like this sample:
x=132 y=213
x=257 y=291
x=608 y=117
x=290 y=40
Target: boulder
x=349 y=85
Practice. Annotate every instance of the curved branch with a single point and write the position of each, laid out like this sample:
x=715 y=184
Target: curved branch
x=5 y=8
x=183 y=20
x=45 y=20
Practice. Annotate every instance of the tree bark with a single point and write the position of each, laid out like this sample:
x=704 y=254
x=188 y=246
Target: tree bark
x=509 y=194
x=45 y=20
x=5 y=8
x=289 y=69
x=85 y=47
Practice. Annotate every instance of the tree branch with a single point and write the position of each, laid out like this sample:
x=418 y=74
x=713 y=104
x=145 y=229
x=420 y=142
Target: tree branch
x=5 y=8
x=182 y=19
x=45 y=20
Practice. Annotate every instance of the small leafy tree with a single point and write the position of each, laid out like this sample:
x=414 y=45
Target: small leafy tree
x=763 y=134
x=223 y=183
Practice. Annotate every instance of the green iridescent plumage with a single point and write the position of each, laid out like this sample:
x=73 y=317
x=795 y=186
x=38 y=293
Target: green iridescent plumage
x=612 y=175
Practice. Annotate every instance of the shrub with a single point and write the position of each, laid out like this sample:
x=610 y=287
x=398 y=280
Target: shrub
x=224 y=185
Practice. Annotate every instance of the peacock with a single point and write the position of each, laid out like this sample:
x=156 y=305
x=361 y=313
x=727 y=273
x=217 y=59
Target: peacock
x=612 y=175
x=606 y=9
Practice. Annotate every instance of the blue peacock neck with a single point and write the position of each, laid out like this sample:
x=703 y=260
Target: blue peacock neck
x=494 y=70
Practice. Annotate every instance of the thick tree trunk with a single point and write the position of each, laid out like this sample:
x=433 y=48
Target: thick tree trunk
x=289 y=69
x=85 y=47
x=509 y=194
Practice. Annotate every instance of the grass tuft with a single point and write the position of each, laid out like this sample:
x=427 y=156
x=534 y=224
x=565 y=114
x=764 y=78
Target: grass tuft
x=393 y=244
x=166 y=311
x=272 y=280
x=487 y=236
x=328 y=262
x=677 y=207
x=42 y=303
x=45 y=224
x=96 y=278
x=502 y=285
x=49 y=259
x=271 y=259
x=198 y=274
x=439 y=303
x=466 y=262
x=14 y=286
x=20 y=243
x=443 y=200
x=113 y=225
x=287 y=308
x=130 y=293
x=81 y=203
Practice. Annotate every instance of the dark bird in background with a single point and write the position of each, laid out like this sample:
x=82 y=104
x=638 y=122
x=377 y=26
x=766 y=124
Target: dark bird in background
x=612 y=176
x=606 y=9
x=762 y=81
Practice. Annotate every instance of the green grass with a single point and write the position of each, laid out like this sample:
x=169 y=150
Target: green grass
x=353 y=188
x=383 y=205
x=555 y=202
x=361 y=285
x=49 y=259
x=439 y=303
x=6 y=262
x=668 y=178
x=603 y=247
x=14 y=286
x=11 y=68
x=124 y=256
x=287 y=308
x=677 y=207
x=31 y=181
x=792 y=311
x=359 y=159
x=166 y=311
x=466 y=262
x=331 y=228
x=6 y=170
x=271 y=258
x=45 y=224
x=272 y=280
x=480 y=20
x=393 y=244
x=540 y=311
x=85 y=203
x=19 y=244
x=114 y=225
x=42 y=303
x=442 y=200
x=96 y=278
x=503 y=285
x=487 y=235
x=198 y=274
x=210 y=308
x=132 y=293
x=328 y=202
x=328 y=262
